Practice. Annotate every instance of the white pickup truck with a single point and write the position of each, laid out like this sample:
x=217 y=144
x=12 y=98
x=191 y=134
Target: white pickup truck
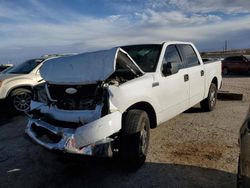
x=104 y=103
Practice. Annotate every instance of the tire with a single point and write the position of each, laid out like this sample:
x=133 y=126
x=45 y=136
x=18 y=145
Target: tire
x=225 y=71
x=241 y=181
x=209 y=103
x=238 y=183
x=20 y=99
x=135 y=138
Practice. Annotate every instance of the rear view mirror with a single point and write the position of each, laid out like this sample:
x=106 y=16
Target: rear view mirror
x=167 y=69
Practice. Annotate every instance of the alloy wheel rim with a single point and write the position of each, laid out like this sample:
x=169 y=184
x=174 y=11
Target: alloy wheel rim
x=143 y=140
x=22 y=101
x=213 y=98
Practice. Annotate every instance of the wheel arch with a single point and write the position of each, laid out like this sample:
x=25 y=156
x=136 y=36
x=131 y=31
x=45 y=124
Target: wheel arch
x=215 y=81
x=11 y=92
x=148 y=108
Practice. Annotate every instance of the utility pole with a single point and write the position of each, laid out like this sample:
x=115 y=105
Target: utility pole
x=225 y=45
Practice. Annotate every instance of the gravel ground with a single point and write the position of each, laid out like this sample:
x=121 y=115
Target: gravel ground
x=195 y=149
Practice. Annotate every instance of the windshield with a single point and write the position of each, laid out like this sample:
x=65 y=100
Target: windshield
x=145 y=56
x=25 y=67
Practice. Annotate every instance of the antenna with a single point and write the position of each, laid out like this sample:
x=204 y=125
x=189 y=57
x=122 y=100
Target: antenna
x=225 y=45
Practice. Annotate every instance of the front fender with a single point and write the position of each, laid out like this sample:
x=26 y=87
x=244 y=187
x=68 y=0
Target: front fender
x=124 y=96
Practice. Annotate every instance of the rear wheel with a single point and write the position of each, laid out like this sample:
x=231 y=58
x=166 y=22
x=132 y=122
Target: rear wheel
x=209 y=103
x=20 y=99
x=135 y=137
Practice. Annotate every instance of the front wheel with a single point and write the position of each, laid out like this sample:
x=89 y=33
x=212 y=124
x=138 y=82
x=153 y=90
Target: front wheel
x=209 y=103
x=135 y=137
x=21 y=99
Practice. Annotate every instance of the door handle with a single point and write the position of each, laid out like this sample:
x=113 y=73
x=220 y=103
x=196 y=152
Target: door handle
x=155 y=84
x=186 y=77
x=202 y=72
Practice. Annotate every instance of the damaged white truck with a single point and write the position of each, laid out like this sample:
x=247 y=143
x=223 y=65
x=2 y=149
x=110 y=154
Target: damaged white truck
x=104 y=103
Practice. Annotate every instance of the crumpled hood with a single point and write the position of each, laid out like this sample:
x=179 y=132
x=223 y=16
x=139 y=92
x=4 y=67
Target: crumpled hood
x=87 y=68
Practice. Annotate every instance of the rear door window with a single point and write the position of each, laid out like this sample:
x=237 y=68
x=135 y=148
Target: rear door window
x=188 y=54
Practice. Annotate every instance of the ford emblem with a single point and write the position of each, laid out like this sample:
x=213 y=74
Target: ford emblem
x=71 y=90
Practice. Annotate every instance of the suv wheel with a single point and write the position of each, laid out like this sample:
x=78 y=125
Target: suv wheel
x=21 y=99
x=135 y=137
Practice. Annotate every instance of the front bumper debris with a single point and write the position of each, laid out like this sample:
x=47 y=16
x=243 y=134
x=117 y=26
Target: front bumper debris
x=90 y=139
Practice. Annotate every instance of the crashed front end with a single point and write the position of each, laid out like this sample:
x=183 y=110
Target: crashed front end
x=94 y=138
x=73 y=113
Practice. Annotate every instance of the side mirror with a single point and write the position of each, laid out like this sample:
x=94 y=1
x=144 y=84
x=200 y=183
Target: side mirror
x=167 y=69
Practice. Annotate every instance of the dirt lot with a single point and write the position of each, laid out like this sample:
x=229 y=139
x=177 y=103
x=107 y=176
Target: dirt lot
x=195 y=149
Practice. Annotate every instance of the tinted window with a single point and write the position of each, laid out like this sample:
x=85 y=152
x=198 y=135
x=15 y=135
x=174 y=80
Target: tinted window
x=235 y=58
x=238 y=58
x=172 y=55
x=228 y=59
x=189 y=56
x=145 y=56
x=25 y=68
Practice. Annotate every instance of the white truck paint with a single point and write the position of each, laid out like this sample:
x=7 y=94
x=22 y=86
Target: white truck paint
x=178 y=81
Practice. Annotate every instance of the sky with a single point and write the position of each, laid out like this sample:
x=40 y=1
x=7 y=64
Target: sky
x=31 y=28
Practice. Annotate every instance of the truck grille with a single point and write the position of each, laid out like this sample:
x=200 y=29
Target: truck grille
x=84 y=97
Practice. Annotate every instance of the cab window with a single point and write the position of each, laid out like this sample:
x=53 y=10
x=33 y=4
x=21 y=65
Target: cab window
x=172 y=60
x=188 y=54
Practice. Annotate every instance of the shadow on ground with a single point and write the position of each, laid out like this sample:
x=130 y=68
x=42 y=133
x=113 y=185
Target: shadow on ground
x=7 y=113
x=107 y=173
x=195 y=109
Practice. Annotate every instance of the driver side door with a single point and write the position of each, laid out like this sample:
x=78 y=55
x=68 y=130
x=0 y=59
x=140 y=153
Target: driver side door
x=174 y=87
